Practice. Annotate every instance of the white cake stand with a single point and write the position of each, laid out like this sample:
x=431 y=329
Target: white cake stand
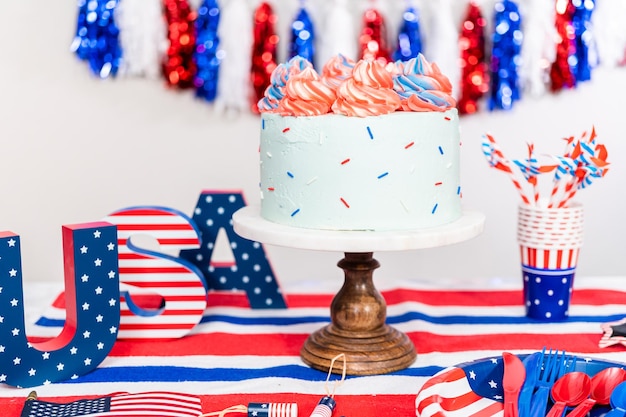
x=358 y=311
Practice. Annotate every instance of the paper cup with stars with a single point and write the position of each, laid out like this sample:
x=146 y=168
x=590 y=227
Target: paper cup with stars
x=549 y=248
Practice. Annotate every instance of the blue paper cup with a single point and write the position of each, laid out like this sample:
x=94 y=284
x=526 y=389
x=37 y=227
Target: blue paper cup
x=547 y=292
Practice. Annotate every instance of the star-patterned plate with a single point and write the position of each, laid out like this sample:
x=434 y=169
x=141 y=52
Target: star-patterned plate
x=475 y=388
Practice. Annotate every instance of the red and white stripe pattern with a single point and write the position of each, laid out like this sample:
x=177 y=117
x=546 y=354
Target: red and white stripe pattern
x=273 y=409
x=450 y=394
x=148 y=272
x=145 y=404
x=324 y=408
x=238 y=355
x=549 y=258
x=162 y=404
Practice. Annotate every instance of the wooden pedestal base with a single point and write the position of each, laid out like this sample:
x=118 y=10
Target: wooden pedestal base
x=358 y=328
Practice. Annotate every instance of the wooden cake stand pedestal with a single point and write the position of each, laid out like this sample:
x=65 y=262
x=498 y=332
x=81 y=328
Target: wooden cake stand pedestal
x=358 y=311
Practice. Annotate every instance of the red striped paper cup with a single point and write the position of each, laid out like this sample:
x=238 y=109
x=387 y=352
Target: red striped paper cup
x=550 y=242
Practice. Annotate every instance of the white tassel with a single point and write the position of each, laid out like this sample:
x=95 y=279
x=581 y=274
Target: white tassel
x=608 y=25
x=539 y=45
x=338 y=35
x=234 y=90
x=441 y=43
x=143 y=37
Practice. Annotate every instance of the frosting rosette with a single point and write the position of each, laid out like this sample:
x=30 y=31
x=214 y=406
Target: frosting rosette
x=337 y=70
x=306 y=95
x=423 y=87
x=278 y=80
x=369 y=92
x=357 y=89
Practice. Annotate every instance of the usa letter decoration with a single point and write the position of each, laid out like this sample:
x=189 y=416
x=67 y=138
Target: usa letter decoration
x=251 y=271
x=178 y=283
x=92 y=305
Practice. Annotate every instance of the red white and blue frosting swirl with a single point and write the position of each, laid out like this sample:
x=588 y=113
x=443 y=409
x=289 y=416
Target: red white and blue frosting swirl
x=364 y=88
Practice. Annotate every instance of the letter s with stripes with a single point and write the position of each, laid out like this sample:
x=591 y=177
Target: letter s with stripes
x=150 y=274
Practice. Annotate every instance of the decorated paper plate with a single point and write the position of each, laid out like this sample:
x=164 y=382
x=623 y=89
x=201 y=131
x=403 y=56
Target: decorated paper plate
x=475 y=388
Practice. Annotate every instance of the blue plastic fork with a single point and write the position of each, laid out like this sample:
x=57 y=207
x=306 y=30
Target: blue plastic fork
x=554 y=366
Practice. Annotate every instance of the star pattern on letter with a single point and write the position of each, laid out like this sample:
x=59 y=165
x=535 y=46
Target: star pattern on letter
x=93 y=258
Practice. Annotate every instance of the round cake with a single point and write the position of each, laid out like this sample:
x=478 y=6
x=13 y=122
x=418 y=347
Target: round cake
x=361 y=147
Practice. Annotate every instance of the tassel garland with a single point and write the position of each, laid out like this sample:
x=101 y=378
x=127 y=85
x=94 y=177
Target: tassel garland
x=207 y=53
x=373 y=37
x=474 y=77
x=302 y=37
x=409 y=38
x=179 y=67
x=263 y=51
x=226 y=50
x=505 y=56
x=97 y=37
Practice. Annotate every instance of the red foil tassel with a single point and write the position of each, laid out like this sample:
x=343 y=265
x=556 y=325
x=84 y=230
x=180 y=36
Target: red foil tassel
x=474 y=74
x=373 y=39
x=179 y=67
x=561 y=75
x=263 y=51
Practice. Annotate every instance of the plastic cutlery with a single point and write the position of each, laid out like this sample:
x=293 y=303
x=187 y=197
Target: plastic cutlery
x=532 y=364
x=512 y=381
x=618 y=401
x=602 y=385
x=553 y=367
x=569 y=390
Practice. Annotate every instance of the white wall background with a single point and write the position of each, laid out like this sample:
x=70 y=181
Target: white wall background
x=74 y=148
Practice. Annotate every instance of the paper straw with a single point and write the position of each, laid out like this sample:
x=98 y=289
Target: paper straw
x=496 y=159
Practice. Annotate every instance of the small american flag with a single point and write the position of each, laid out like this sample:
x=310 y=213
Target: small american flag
x=148 y=404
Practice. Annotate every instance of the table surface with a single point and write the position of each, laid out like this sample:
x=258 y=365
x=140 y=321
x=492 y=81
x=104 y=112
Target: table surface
x=248 y=223
x=236 y=355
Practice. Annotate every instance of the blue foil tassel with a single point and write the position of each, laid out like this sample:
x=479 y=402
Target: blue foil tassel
x=505 y=56
x=206 y=53
x=409 y=39
x=97 y=37
x=302 y=37
x=581 y=21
